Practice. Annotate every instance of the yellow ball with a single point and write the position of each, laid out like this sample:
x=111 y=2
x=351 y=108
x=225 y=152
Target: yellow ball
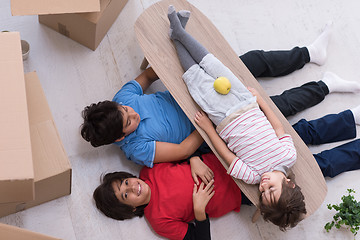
x=222 y=85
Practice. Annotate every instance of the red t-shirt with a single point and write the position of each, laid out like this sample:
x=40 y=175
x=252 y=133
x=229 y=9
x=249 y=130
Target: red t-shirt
x=171 y=206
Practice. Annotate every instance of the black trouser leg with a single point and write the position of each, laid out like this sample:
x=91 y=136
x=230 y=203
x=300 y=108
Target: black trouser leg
x=275 y=63
x=300 y=98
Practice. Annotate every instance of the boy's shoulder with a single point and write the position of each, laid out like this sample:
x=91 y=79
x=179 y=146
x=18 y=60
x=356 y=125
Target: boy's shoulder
x=128 y=91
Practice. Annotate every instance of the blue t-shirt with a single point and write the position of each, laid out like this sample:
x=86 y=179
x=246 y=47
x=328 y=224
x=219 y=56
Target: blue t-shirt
x=162 y=120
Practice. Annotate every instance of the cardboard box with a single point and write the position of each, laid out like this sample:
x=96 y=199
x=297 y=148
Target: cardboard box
x=51 y=164
x=86 y=28
x=8 y=232
x=35 y=7
x=16 y=164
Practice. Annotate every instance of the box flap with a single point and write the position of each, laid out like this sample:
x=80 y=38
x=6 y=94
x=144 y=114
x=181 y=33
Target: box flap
x=48 y=150
x=38 y=7
x=14 y=233
x=16 y=171
x=95 y=16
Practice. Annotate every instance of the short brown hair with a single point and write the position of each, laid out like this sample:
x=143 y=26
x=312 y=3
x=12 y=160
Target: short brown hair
x=288 y=211
x=103 y=123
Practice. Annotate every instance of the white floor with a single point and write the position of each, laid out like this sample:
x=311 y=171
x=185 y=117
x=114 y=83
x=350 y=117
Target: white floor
x=74 y=76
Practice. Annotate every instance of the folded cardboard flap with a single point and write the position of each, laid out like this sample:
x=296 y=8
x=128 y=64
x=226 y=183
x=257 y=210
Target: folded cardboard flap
x=95 y=16
x=16 y=171
x=36 y=7
x=8 y=232
x=51 y=164
x=86 y=28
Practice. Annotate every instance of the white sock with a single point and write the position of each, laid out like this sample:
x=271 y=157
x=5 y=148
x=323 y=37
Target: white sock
x=337 y=84
x=317 y=50
x=356 y=113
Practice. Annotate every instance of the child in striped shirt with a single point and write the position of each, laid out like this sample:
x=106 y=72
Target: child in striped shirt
x=256 y=146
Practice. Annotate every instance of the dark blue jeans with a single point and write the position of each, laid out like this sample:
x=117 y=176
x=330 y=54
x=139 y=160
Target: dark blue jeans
x=328 y=129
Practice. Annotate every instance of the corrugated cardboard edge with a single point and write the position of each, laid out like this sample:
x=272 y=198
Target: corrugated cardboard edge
x=94 y=26
x=9 y=232
x=52 y=168
x=112 y=12
x=47 y=131
x=39 y=7
x=17 y=180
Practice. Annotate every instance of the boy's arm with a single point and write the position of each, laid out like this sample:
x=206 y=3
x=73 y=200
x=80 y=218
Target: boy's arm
x=171 y=152
x=146 y=78
x=205 y=123
x=269 y=113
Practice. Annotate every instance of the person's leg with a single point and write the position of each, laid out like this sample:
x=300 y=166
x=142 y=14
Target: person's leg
x=300 y=98
x=185 y=58
x=317 y=49
x=297 y=99
x=275 y=63
x=337 y=84
x=340 y=159
x=330 y=128
x=356 y=112
x=280 y=63
x=183 y=16
x=196 y=49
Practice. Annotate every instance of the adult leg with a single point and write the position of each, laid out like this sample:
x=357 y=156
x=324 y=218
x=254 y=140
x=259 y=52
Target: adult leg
x=300 y=98
x=297 y=99
x=275 y=63
x=340 y=159
x=330 y=128
x=280 y=63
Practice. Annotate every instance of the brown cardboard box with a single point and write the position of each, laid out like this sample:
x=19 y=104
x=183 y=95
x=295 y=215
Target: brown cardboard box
x=86 y=28
x=51 y=165
x=8 y=232
x=35 y=7
x=16 y=164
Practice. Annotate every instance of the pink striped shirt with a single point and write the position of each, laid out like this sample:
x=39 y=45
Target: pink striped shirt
x=258 y=149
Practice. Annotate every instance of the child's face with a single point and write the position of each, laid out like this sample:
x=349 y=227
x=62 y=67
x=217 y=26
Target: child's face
x=271 y=186
x=132 y=191
x=131 y=119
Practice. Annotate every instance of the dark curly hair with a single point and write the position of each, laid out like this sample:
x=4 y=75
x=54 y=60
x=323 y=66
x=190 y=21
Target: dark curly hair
x=103 y=123
x=289 y=210
x=107 y=202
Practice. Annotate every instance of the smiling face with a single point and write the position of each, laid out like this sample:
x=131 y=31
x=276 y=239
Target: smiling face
x=131 y=119
x=271 y=186
x=132 y=191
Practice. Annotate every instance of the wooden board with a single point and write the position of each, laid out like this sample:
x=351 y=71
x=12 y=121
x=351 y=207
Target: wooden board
x=152 y=29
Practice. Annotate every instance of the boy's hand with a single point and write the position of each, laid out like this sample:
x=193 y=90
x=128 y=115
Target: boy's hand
x=199 y=168
x=203 y=121
x=201 y=198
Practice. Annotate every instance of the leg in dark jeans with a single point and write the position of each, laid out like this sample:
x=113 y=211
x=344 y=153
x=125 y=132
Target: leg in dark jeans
x=332 y=128
x=280 y=63
x=328 y=129
x=275 y=63
x=300 y=98
x=340 y=159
